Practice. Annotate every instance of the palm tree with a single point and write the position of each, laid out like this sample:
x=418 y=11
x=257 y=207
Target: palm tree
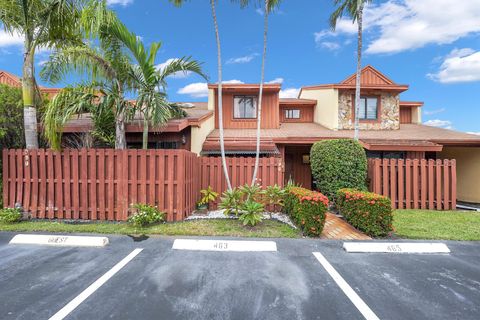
x=149 y=82
x=354 y=8
x=108 y=70
x=43 y=24
x=269 y=5
x=220 y=102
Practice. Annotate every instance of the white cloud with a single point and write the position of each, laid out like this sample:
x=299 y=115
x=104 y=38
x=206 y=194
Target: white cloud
x=7 y=39
x=259 y=11
x=178 y=75
x=330 y=45
x=461 y=65
x=122 y=3
x=399 y=25
x=244 y=59
x=276 y=80
x=289 y=93
x=196 y=90
x=439 y=123
x=476 y=133
x=200 y=89
x=432 y=112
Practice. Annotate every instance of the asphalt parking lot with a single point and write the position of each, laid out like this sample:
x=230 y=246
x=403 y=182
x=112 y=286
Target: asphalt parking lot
x=160 y=283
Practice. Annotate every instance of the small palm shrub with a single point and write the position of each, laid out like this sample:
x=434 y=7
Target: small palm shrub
x=366 y=211
x=231 y=202
x=273 y=196
x=145 y=215
x=307 y=209
x=337 y=164
x=251 y=192
x=251 y=213
x=10 y=215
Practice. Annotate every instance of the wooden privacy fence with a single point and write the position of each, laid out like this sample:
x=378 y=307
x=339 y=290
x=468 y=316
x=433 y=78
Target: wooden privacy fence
x=270 y=172
x=415 y=184
x=100 y=184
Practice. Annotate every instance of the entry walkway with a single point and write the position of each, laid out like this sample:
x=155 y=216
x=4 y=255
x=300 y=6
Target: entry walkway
x=338 y=229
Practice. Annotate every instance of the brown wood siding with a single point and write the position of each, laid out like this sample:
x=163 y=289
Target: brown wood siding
x=270 y=114
x=306 y=113
x=405 y=115
x=425 y=184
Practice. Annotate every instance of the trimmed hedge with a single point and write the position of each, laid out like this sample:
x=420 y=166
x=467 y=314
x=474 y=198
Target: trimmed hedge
x=307 y=209
x=369 y=212
x=337 y=164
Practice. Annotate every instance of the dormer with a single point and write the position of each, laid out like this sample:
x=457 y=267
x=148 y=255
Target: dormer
x=379 y=104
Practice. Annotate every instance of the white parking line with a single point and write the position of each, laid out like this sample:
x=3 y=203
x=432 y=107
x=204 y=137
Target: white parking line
x=349 y=292
x=72 y=305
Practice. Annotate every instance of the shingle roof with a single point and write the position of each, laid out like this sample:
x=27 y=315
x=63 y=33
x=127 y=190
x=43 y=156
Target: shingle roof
x=298 y=133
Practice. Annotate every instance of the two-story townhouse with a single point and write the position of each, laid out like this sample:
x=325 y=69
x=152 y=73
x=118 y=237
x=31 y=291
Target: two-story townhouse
x=390 y=127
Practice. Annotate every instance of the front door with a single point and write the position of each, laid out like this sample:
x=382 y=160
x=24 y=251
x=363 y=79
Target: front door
x=297 y=168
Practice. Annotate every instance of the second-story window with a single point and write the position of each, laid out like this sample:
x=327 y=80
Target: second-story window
x=368 y=108
x=292 y=114
x=245 y=107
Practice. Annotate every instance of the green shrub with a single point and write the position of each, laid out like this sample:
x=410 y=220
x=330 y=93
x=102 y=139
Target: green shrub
x=366 y=211
x=231 y=201
x=273 y=196
x=145 y=215
x=251 y=213
x=307 y=209
x=10 y=215
x=251 y=192
x=337 y=164
x=208 y=195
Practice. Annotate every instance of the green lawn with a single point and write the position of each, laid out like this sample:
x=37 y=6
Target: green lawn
x=220 y=227
x=444 y=225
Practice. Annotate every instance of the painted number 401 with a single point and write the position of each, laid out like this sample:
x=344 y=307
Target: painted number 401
x=221 y=245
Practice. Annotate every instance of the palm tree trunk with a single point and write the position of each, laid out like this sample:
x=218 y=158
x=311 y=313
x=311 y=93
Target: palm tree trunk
x=359 y=70
x=28 y=92
x=120 y=140
x=220 y=105
x=145 y=134
x=262 y=79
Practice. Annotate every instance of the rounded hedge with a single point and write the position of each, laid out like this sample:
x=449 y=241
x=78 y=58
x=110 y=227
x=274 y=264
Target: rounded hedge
x=337 y=164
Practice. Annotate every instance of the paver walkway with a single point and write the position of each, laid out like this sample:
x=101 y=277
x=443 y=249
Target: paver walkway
x=338 y=229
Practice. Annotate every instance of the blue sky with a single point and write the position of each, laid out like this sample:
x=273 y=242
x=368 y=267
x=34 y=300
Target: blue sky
x=432 y=45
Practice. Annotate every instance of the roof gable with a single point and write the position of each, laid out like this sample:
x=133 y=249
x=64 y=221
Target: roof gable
x=369 y=76
x=9 y=79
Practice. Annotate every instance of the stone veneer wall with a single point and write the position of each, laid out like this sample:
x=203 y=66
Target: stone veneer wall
x=390 y=116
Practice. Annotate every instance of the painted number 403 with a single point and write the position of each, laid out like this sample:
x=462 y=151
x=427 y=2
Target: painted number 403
x=221 y=245
x=394 y=248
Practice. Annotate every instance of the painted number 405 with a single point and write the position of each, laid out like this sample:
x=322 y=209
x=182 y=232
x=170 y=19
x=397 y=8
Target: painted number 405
x=220 y=245
x=394 y=248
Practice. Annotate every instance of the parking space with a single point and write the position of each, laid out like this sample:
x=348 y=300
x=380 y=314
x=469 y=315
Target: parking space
x=36 y=282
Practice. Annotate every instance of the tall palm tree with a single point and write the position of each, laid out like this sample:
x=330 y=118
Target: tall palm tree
x=354 y=8
x=149 y=82
x=43 y=24
x=220 y=102
x=269 y=5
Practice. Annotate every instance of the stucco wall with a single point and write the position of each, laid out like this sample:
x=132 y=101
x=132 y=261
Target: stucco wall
x=417 y=115
x=199 y=134
x=211 y=99
x=468 y=171
x=326 y=110
x=389 y=117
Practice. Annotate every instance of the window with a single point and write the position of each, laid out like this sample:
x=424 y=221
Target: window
x=368 y=108
x=245 y=107
x=292 y=114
